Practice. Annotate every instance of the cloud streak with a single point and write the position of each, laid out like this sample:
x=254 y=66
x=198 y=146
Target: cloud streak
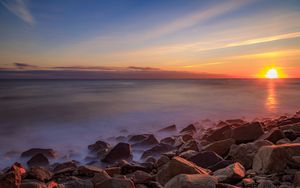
x=20 y=9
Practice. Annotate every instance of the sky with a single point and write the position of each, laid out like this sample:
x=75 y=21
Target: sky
x=149 y=39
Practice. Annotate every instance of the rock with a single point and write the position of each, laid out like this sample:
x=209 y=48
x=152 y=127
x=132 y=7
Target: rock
x=175 y=166
x=171 y=128
x=168 y=140
x=100 y=177
x=39 y=173
x=139 y=176
x=283 y=141
x=71 y=165
x=186 y=137
x=192 y=181
x=147 y=142
x=189 y=129
x=138 y=138
x=130 y=168
x=32 y=184
x=157 y=150
x=206 y=159
x=297 y=179
x=119 y=152
x=225 y=185
x=244 y=153
x=116 y=183
x=72 y=182
x=34 y=151
x=99 y=147
x=190 y=145
x=247 y=133
x=221 y=133
x=153 y=184
x=12 y=177
x=290 y=134
x=275 y=158
x=113 y=170
x=38 y=160
x=266 y=184
x=88 y=170
x=188 y=154
x=248 y=182
x=220 y=147
x=231 y=173
x=162 y=160
x=273 y=135
x=220 y=165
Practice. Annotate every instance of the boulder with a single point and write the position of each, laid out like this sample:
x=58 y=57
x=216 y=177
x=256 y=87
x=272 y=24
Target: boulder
x=206 y=159
x=100 y=177
x=221 y=133
x=38 y=173
x=139 y=177
x=115 y=183
x=89 y=170
x=34 y=151
x=171 y=128
x=248 y=132
x=266 y=184
x=38 y=160
x=162 y=160
x=220 y=165
x=297 y=179
x=70 y=165
x=275 y=158
x=190 y=145
x=189 y=129
x=138 y=138
x=188 y=154
x=168 y=140
x=273 y=135
x=244 y=153
x=32 y=184
x=225 y=185
x=157 y=150
x=99 y=147
x=230 y=174
x=113 y=171
x=175 y=166
x=220 y=147
x=192 y=181
x=130 y=168
x=72 y=182
x=119 y=152
x=12 y=177
x=186 y=137
x=147 y=142
x=290 y=134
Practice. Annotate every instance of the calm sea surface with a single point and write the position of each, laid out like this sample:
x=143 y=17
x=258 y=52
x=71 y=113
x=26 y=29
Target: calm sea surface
x=69 y=115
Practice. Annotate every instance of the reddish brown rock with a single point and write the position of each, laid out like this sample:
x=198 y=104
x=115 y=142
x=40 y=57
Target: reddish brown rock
x=139 y=177
x=38 y=160
x=206 y=159
x=138 y=138
x=157 y=150
x=168 y=140
x=119 y=152
x=99 y=147
x=273 y=135
x=190 y=145
x=71 y=165
x=100 y=177
x=34 y=151
x=147 y=142
x=12 y=177
x=220 y=147
x=192 y=181
x=248 y=132
x=230 y=174
x=175 y=166
x=189 y=129
x=38 y=173
x=88 y=170
x=221 y=133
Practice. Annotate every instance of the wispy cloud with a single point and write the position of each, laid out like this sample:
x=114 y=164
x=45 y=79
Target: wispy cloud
x=20 y=9
x=24 y=66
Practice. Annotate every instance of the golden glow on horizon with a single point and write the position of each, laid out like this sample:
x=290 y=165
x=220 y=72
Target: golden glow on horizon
x=272 y=74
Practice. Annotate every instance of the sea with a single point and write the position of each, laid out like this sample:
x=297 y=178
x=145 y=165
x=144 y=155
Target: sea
x=68 y=115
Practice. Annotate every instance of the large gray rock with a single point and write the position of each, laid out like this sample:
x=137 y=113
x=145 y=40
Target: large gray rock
x=175 y=166
x=192 y=181
x=231 y=173
x=248 y=132
x=275 y=158
x=220 y=147
x=221 y=133
x=273 y=135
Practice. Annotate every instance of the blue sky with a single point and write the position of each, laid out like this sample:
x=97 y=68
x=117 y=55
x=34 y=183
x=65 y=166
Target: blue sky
x=217 y=37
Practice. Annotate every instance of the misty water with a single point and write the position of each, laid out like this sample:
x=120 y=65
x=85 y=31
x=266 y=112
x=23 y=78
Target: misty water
x=68 y=115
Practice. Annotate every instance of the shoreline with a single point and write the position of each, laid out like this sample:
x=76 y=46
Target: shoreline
x=233 y=153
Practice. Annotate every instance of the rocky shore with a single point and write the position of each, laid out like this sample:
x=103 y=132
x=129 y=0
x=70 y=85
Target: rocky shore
x=234 y=153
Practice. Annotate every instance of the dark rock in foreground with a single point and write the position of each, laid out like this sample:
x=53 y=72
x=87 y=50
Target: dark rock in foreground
x=119 y=152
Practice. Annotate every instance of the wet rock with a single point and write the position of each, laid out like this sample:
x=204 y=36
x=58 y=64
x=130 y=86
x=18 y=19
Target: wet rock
x=186 y=137
x=113 y=171
x=138 y=138
x=72 y=182
x=153 y=184
x=139 y=177
x=32 y=184
x=248 y=182
x=88 y=170
x=220 y=147
x=147 y=142
x=206 y=159
x=100 y=177
x=297 y=179
x=116 y=183
x=248 y=132
x=70 y=165
x=188 y=154
x=162 y=160
x=34 y=151
x=231 y=173
x=189 y=129
x=275 y=158
x=290 y=134
x=12 y=177
x=221 y=133
x=157 y=150
x=99 y=147
x=266 y=184
x=38 y=160
x=168 y=140
x=130 y=168
x=192 y=181
x=220 y=165
x=244 y=153
x=38 y=173
x=119 y=152
x=171 y=128
x=273 y=135
x=175 y=166
x=283 y=141
x=190 y=145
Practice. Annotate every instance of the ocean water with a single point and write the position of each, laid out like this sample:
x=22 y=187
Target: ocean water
x=67 y=115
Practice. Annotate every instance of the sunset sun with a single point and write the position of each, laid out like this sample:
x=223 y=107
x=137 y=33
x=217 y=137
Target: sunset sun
x=272 y=74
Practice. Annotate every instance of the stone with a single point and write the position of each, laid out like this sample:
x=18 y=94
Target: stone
x=266 y=184
x=34 y=151
x=283 y=141
x=230 y=174
x=39 y=173
x=100 y=177
x=138 y=138
x=171 y=128
x=192 y=181
x=119 y=152
x=139 y=177
x=38 y=160
x=225 y=185
x=220 y=165
x=244 y=153
x=220 y=147
x=272 y=159
x=153 y=184
x=113 y=170
x=72 y=182
x=162 y=160
x=273 y=135
x=221 y=133
x=190 y=145
x=116 y=183
x=206 y=159
x=247 y=133
x=168 y=140
x=175 y=166
x=147 y=142
x=99 y=147
x=69 y=166
x=188 y=154
x=157 y=150
x=186 y=137
x=89 y=170
x=130 y=168
x=32 y=184
x=189 y=129
x=290 y=134
x=12 y=177
x=297 y=179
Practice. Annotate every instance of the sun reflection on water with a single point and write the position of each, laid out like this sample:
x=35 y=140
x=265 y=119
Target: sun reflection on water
x=271 y=100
